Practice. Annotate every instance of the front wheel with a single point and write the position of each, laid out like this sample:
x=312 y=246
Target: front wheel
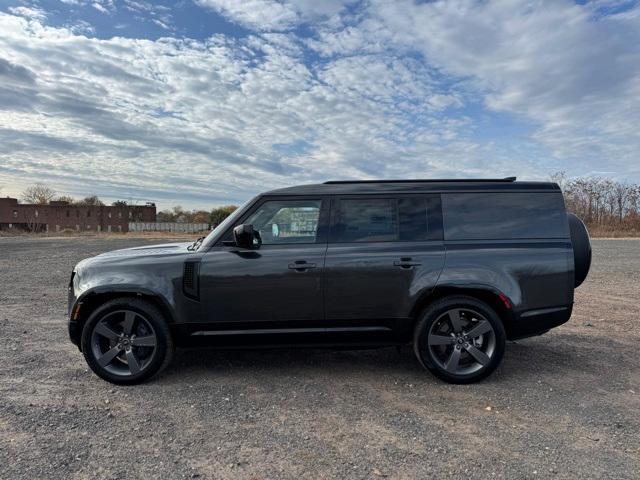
x=126 y=341
x=459 y=339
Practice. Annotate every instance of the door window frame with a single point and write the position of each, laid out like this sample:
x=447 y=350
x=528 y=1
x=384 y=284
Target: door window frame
x=321 y=231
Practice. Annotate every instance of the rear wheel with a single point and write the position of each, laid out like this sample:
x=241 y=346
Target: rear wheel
x=459 y=339
x=126 y=341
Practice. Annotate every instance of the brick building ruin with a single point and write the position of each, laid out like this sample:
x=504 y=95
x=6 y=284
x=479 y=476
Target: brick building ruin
x=59 y=216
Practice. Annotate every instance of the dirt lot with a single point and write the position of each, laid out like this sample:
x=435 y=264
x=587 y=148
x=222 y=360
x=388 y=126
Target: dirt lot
x=564 y=405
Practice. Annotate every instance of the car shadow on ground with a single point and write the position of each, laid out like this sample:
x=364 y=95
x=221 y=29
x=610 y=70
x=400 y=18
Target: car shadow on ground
x=293 y=359
x=524 y=360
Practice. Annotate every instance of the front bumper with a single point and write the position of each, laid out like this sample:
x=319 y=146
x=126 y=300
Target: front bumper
x=75 y=331
x=74 y=327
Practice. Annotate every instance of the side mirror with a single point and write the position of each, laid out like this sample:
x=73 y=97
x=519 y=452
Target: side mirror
x=243 y=236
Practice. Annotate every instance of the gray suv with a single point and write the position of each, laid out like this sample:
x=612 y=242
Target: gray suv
x=452 y=267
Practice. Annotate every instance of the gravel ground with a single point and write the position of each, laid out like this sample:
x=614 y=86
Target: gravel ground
x=563 y=405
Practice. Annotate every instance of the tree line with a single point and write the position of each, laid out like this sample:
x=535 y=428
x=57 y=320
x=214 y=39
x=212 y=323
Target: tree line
x=602 y=203
x=178 y=215
x=40 y=194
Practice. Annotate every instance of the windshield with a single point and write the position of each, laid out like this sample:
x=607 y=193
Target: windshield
x=226 y=223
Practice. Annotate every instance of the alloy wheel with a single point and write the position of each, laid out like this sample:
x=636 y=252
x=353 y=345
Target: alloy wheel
x=123 y=343
x=461 y=341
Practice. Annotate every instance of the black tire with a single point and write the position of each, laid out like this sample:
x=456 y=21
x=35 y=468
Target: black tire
x=434 y=345
x=148 y=326
x=581 y=249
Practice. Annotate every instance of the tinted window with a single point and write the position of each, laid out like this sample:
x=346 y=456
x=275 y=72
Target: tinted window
x=413 y=218
x=286 y=221
x=387 y=219
x=484 y=216
x=367 y=220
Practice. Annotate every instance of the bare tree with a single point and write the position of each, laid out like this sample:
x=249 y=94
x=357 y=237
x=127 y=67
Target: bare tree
x=621 y=194
x=66 y=198
x=180 y=215
x=92 y=201
x=39 y=193
x=217 y=215
x=560 y=178
x=602 y=202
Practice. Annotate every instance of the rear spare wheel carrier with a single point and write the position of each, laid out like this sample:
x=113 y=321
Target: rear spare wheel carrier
x=581 y=249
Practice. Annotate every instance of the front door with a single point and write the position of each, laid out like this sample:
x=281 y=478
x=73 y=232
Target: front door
x=277 y=284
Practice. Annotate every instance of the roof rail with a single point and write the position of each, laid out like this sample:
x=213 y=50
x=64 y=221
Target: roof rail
x=434 y=180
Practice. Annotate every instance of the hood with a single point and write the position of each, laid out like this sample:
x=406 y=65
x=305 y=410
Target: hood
x=135 y=254
x=147 y=250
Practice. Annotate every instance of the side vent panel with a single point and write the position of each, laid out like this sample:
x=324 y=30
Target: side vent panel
x=190 y=284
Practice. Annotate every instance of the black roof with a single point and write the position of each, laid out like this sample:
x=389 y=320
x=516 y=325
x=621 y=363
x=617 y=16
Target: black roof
x=346 y=187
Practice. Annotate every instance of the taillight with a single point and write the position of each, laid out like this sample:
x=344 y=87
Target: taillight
x=505 y=300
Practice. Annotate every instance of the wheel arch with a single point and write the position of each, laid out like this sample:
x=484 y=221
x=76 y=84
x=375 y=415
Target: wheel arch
x=493 y=297
x=93 y=299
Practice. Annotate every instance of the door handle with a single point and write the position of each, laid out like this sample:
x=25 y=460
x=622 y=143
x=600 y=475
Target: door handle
x=301 y=266
x=406 y=263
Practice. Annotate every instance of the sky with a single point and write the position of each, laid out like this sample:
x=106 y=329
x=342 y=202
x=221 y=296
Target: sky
x=208 y=102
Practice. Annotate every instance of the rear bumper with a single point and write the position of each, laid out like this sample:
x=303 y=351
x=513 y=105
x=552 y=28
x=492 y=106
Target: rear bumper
x=535 y=322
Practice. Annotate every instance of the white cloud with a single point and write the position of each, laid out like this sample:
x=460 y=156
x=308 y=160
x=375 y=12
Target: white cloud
x=222 y=118
x=158 y=14
x=104 y=6
x=29 y=12
x=400 y=89
x=274 y=15
x=100 y=7
x=258 y=14
x=573 y=73
x=82 y=27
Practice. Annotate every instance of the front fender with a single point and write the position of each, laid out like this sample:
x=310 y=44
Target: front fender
x=157 y=275
x=168 y=303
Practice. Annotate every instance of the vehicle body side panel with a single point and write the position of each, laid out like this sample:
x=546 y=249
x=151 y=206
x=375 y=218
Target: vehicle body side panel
x=240 y=286
x=148 y=271
x=533 y=275
x=364 y=285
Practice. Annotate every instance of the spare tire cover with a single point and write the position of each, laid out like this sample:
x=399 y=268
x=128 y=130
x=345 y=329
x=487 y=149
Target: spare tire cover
x=581 y=248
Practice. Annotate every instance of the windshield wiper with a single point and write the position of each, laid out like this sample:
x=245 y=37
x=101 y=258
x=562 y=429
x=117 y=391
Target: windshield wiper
x=195 y=245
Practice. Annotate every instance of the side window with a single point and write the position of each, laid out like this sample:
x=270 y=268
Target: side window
x=517 y=215
x=413 y=218
x=286 y=221
x=405 y=219
x=367 y=220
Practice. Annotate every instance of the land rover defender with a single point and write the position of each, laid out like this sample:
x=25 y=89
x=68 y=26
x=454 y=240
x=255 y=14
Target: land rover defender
x=452 y=268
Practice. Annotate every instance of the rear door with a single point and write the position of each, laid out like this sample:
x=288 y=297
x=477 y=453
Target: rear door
x=383 y=253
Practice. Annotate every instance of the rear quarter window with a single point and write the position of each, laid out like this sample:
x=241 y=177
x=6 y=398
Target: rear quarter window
x=503 y=216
